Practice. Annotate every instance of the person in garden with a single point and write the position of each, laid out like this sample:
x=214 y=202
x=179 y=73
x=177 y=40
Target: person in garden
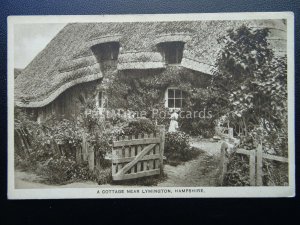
x=173 y=124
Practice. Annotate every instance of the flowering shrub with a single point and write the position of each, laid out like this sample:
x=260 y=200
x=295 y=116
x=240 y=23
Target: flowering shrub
x=177 y=147
x=101 y=145
x=50 y=138
x=138 y=126
x=60 y=169
x=57 y=170
x=53 y=146
x=103 y=176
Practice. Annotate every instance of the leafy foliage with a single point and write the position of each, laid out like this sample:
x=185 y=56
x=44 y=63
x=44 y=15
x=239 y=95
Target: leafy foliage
x=53 y=146
x=178 y=149
x=60 y=170
x=140 y=126
x=238 y=171
x=144 y=91
x=254 y=81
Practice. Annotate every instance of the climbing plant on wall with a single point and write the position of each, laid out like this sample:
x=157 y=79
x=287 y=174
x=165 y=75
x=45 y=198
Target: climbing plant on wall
x=144 y=90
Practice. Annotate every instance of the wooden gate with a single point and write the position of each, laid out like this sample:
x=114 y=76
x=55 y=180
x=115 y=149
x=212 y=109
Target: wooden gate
x=137 y=157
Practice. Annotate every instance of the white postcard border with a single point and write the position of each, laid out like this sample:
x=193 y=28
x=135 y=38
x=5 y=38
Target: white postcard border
x=151 y=192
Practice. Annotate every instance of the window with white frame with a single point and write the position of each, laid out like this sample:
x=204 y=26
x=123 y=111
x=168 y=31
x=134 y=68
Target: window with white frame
x=175 y=98
x=101 y=100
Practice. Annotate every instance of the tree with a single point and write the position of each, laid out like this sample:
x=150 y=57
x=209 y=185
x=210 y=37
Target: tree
x=252 y=82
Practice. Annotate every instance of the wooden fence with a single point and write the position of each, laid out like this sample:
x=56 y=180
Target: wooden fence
x=131 y=157
x=24 y=145
x=22 y=142
x=256 y=157
x=88 y=154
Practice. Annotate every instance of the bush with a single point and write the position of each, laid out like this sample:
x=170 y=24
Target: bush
x=139 y=126
x=177 y=148
x=275 y=173
x=103 y=175
x=61 y=170
x=196 y=126
x=237 y=171
x=101 y=145
x=52 y=152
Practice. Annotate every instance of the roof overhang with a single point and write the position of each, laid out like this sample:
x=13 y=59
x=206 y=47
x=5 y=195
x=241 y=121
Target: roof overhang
x=56 y=93
x=103 y=39
x=193 y=64
x=140 y=60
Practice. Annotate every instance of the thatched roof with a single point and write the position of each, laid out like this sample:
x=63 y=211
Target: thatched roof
x=68 y=60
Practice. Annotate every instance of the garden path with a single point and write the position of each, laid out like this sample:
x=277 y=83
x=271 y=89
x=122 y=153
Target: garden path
x=202 y=171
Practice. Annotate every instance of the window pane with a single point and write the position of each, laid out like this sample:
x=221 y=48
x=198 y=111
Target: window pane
x=100 y=99
x=183 y=103
x=177 y=103
x=171 y=93
x=177 y=93
x=171 y=103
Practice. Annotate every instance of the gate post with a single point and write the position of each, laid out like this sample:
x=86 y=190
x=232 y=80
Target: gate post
x=252 y=166
x=85 y=147
x=162 y=145
x=259 y=161
x=91 y=158
x=223 y=163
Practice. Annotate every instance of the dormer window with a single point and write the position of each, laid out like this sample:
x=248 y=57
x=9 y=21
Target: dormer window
x=172 y=51
x=106 y=51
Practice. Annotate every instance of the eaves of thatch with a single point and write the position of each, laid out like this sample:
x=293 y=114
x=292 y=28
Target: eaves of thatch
x=68 y=60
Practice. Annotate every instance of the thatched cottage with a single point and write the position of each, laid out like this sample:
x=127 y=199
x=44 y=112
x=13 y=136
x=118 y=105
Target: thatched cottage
x=82 y=55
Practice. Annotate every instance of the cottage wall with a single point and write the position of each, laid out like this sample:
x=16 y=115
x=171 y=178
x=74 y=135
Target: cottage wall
x=74 y=100
x=70 y=103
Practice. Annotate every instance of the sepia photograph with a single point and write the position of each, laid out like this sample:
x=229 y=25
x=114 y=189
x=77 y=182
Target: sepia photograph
x=144 y=106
